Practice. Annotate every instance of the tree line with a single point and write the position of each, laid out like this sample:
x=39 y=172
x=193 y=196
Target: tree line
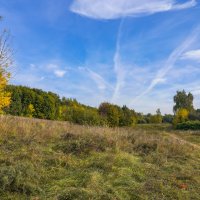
x=36 y=103
x=28 y=102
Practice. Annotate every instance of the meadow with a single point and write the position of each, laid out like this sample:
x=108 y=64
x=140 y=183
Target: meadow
x=43 y=159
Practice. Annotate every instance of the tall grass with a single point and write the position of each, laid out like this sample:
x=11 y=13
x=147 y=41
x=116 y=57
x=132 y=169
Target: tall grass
x=42 y=159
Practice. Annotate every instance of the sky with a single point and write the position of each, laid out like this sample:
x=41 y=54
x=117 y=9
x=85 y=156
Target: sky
x=128 y=52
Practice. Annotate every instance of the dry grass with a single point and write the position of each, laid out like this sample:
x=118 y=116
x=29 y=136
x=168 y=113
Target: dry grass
x=43 y=159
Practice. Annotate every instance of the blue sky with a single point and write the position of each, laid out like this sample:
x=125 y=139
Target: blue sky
x=133 y=52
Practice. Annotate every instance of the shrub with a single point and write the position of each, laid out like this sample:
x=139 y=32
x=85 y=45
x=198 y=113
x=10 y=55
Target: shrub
x=78 y=144
x=168 y=118
x=189 y=125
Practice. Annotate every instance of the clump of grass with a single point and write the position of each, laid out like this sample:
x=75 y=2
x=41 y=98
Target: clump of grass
x=19 y=177
x=83 y=144
x=145 y=148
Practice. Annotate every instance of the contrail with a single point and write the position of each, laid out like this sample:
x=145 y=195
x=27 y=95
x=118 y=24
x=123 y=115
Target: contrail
x=174 y=56
x=120 y=72
x=98 y=79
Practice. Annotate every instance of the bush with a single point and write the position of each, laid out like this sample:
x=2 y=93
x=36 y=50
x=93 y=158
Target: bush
x=189 y=125
x=168 y=118
x=77 y=144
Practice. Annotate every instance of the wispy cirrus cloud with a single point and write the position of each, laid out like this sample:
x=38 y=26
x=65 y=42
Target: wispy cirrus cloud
x=172 y=59
x=101 y=83
x=193 y=55
x=55 y=68
x=113 y=9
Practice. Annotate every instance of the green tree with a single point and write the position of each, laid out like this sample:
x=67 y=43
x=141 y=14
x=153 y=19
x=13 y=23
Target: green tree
x=46 y=104
x=127 y=117
x=15 y=107
x=72 y=111
x=167 y=118
x=183 y=100
x=156 y=119
x=159 y=116
x=110 y=113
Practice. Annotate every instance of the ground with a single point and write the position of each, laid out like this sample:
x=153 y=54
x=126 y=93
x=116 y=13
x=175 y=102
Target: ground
x=57 y=160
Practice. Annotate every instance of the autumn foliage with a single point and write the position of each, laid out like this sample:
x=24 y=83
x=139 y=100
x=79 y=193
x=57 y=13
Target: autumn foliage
x=5 y=61
x=4 y=95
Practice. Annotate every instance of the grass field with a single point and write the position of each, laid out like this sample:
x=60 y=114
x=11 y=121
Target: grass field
x=56 y=160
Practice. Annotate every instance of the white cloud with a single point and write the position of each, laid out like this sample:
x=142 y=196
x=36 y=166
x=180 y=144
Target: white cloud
x=54 y=67
x=59 y=73
x=113 y=9
x=192 y=55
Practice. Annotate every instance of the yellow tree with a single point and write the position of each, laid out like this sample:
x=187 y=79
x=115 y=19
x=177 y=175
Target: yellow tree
x=30 y=110
x=4 y=95
x=181 y=116
x=5 y=62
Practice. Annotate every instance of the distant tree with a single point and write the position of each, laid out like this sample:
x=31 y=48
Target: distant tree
x=183 y=100
x=110 y=113
x=156 y=119
x=71 y=110
x=15 y=107
x=46 y=104
x=30 y=110
x=143 y=119
x=181 y=116
x=159 y=116
x=168 y=118
x=158 y=112
x=113 y=116
x=104 y=108
x=127 y=117
x=5 y=62
x=194 y=115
